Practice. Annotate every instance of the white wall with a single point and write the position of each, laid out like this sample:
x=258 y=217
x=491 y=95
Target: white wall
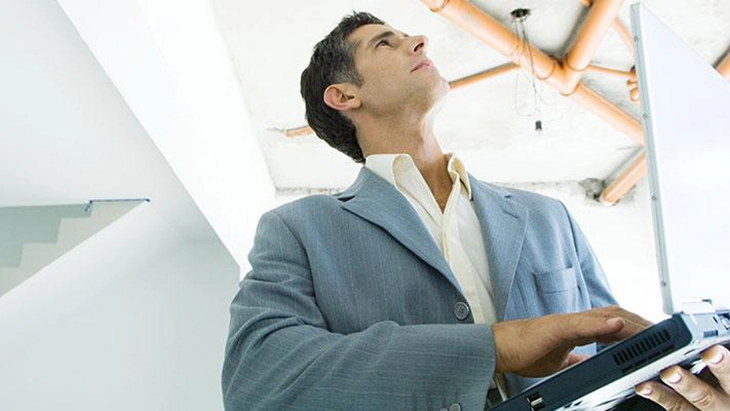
x=133 y=319
x=66 y=133
x=168 y=61
x=136 y=317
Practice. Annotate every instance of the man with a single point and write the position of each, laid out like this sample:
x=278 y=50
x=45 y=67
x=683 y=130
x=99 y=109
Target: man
x=419 y=287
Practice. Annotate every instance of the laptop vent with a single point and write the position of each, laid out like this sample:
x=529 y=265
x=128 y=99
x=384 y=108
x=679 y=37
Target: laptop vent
x=642 y=347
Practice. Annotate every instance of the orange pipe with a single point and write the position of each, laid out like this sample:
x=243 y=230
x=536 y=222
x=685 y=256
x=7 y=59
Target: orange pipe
x=637 y=170
x=473 y=78
x=633 y=85
x=620 y=28
x=595 y=26
x=627 y=180
x=628 y=75
x=634 y=94
x=491 y=32
x=298 y=131
x=724 y=67
x=564 y=77
x=609 y=112
x=504 y=68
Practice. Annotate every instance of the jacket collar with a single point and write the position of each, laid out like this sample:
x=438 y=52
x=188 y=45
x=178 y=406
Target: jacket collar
x=377 y=201
x=503 y=224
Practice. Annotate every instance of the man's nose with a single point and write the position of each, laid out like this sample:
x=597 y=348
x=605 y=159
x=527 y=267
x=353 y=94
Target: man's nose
x=418 y=44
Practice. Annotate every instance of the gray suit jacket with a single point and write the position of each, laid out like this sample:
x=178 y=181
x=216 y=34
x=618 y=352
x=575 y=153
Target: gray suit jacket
x=350 y=305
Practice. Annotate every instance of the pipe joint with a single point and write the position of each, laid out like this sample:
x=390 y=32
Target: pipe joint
x=553 y=67
x=436 y=5
x=567 y=92
x=570 y=67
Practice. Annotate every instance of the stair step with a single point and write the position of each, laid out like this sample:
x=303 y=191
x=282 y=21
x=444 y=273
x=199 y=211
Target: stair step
x=11 y=255
x=71 y=232
x=35 y=224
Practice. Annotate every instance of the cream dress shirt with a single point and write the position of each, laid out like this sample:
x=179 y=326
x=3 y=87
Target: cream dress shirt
x=456 y=230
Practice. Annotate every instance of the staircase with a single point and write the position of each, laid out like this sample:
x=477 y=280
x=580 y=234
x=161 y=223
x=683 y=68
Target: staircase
x=33 y=237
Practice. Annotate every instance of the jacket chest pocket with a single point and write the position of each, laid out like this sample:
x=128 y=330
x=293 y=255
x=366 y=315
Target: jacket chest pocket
x=558 y=292
x=556 y=281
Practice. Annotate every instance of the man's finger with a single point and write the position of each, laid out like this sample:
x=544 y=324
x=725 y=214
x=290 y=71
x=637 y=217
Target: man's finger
x=605 y=325
x=717 y=359
x=638 y=320
x=695 y=391
x=571 y=330
x=629 y=329
x=664 y=396
x=632 y=323
x=618 y=328
x=573 y=359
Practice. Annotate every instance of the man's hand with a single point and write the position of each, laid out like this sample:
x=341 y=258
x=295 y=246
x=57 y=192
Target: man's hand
x=684 y=392
x=541 y=346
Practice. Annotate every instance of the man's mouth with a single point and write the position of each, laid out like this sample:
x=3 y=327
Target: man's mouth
x=422 y=63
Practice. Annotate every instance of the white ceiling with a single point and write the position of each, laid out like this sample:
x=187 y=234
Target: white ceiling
x=270 y=44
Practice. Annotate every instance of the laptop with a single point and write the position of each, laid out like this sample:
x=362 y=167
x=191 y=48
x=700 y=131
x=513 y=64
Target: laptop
x=685 y=106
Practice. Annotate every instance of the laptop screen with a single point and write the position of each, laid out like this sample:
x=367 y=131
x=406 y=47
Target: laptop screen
x=685 y=104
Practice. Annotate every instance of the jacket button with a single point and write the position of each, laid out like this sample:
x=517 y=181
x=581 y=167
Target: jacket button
x=455 y=407
x=461 y=311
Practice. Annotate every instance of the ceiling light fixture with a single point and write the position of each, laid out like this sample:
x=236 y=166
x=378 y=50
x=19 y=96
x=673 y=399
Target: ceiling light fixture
x=519 y=18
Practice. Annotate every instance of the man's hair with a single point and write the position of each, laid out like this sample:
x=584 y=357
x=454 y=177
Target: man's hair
x=333 y=61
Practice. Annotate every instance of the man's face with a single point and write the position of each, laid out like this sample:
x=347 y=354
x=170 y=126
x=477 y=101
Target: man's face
x=395 y=70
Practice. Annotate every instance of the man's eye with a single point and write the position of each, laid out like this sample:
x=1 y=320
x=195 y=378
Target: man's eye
x=382 y=42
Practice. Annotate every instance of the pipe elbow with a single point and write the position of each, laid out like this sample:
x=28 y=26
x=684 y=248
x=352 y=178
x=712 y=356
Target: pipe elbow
x=436 y=5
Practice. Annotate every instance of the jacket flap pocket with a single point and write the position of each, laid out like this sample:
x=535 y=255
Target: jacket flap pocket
x=556 y=281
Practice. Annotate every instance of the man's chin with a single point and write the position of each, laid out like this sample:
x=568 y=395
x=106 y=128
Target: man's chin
x=438 y=96
x=442 y=89
x=445 y=85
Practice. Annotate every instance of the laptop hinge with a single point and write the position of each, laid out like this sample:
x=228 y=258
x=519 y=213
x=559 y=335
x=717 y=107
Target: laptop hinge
x=697 y=306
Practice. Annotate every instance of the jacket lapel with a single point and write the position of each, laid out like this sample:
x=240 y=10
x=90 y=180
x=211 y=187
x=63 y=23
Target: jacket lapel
x=375 y=200
x=503 y=223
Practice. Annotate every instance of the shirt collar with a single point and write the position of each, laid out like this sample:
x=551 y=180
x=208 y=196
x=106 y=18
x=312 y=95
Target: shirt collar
x=385 y=166
x=455 y=164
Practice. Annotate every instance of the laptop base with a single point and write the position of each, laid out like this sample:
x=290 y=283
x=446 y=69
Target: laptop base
x=608 y=378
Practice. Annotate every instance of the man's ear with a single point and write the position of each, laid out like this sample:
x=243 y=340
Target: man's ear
x=340 y=97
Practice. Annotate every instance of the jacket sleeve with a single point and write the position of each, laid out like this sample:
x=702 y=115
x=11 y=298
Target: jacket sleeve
x=280 y=354
x=598 y=288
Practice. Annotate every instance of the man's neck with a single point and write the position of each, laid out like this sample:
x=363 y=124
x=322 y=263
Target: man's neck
x=415 y=139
